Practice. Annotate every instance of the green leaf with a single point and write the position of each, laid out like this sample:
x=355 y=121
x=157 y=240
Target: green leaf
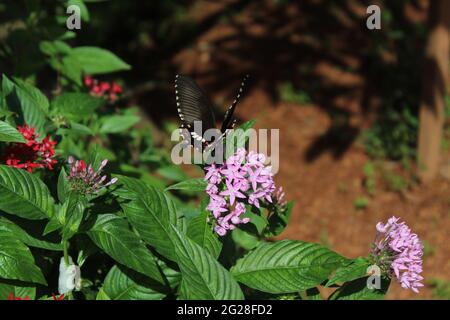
x=76 y=105
x=71 y=214
x=142 y=174
x=118 y=123
x=112 y=234
x=95 y=60
x=123 y=284
x=33 y=103
x=279 y=220
x=28 y=101
x=259 y=221
x=286 y=266
x=203 y=276
x=196 y=184
x=101 y=295
x=172 y=276
x=244 y=239
x=36 y=98
x=71 y=69
x=10 y=134
x=53 y=48
x=84 y=13
x=172 y=172
x=202 y=233
x=355 y=269
x=17 y=262
x=22 y=235
x=358 y=290
x=152 y=213
x=24 y=195
x=63 y=186
x=79 y=129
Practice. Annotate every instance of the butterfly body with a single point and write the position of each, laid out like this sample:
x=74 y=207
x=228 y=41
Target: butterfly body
x=194 y=107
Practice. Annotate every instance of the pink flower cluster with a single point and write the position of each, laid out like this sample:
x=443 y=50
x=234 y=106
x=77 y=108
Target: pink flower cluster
x=399 y=251
x=242 y=179
x=103 y=89
x=83 y=179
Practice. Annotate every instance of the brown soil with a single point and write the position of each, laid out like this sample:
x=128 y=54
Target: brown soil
x=321 y=171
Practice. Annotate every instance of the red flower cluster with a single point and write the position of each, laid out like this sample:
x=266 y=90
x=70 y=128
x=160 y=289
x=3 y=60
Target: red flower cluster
x=11 y=297
x=102 y=88
x=55 y=297
x=32 y=154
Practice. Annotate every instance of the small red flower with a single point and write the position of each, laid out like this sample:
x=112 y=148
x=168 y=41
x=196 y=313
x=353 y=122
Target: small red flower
x=116 y=88
x=88 y=81
x=11 y=297
x=103 y=89
x=55 y=297
x=32 y=154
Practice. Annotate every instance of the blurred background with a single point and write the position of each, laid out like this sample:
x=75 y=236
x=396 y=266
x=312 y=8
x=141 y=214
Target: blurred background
x=347 y=101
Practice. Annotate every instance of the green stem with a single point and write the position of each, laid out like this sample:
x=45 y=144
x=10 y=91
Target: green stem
x=66 y=255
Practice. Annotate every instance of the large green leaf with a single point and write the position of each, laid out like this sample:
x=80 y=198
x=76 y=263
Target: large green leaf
x=70 y=69
x=20 y=234
x=123 y=284
x=172 y=172
x=71 y=214
x=353 y=270
x=16 y=261
x=63 y=187
x=203 y=276
x=95 y=60
x=152 y=213
x=36 y=97
x=196 y=184
x=33 y=104
x=76 y=105
x=357 y=290
x=112 y=234
x=244 y=239
x=24 y=195
x=10 y=134
x=26 y=101
x=201 y=232
x=286 y=266
x=118 y=123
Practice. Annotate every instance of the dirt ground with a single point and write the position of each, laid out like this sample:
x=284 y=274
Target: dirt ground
x=323 y=173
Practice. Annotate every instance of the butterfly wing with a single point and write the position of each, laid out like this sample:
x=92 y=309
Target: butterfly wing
x=228 y=121
x=192 y=103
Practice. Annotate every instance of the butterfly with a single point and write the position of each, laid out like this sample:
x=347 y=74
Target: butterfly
x=193 y=105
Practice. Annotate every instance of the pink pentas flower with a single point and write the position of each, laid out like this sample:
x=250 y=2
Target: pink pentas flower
x=85 y=180
x=242 y=179
x=398 y=252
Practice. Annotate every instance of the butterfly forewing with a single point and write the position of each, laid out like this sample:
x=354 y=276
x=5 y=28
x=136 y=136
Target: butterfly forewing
x=193 y=104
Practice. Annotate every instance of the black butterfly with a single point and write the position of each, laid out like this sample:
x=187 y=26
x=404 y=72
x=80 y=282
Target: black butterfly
x=194 y=105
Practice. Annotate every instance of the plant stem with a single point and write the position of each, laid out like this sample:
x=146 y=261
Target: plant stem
x=66 y=255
